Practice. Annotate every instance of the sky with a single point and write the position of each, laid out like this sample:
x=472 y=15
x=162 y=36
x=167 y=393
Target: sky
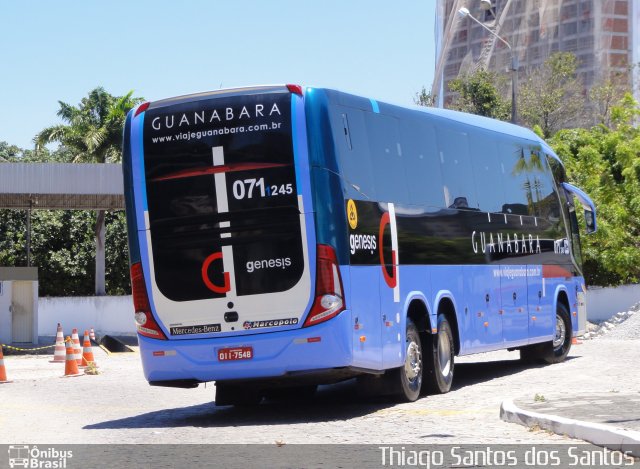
x=54 y=51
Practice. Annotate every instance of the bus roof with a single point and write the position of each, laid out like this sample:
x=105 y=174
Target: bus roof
x=486 y=123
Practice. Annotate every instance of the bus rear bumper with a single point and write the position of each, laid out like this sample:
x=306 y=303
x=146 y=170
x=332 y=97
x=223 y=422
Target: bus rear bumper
x=275 y=354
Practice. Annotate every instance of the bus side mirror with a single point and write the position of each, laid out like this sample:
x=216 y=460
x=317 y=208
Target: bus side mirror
x=590 y=221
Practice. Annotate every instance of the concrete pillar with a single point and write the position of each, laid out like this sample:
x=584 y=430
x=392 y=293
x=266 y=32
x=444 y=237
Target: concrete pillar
x=100 y=254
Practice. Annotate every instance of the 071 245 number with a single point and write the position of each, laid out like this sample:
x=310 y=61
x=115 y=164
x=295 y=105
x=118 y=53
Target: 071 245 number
x=248 y=188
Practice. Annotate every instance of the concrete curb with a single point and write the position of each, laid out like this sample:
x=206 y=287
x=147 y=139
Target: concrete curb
x=596 y=433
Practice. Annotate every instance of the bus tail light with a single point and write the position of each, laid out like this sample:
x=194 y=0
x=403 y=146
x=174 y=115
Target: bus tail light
x=145 y=323
x=329 y=301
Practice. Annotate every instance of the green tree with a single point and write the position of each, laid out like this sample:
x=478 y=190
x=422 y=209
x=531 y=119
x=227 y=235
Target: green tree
x=9 y=153
x=605 y=162
x=551 y=96
x=62 y=247
x=92 y=133
x=14 y=154
x=478 y=93
x=604 y=95
x=425 y=98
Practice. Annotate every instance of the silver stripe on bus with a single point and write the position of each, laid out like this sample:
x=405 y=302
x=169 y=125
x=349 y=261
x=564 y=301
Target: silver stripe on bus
x=222 y=202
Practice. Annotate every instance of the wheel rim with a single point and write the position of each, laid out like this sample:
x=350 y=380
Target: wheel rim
x=444 y=352
x=413 y=363
x=561 y=333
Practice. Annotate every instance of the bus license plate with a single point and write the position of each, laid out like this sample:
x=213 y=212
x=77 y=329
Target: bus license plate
x=235 y=353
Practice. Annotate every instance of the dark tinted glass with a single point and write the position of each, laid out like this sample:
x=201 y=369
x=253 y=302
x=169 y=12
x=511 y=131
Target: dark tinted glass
x=386 y=158
x=517 y=186
x=545 y=196
x=487 y=170
x=220 y=176
x=457 y=172
x=556 y=169
x=352 y=145
x=423 y=174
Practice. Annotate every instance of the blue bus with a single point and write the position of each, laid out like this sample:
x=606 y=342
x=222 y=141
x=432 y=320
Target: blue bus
x=283 y=237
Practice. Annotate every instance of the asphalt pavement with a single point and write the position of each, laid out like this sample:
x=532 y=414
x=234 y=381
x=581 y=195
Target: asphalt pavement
x=610 y=419
x=592 y=396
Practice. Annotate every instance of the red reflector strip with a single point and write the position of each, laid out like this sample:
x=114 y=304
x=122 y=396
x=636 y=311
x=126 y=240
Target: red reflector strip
x=227 y=168
x=307 y=340
x=164 y=353
x=555 y=271
x=149 y=332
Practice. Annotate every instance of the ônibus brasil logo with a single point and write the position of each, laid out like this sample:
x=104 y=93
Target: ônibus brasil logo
x=33 y=457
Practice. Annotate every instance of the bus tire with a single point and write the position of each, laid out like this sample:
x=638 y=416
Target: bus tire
x=556 y=350
x=440 y=358
x=405 y=382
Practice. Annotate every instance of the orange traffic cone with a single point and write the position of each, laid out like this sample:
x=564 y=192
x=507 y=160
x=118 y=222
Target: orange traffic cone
x=70 y=364
x=59 y=354
x=3 y=371
x=77 y=350
x=87 y=351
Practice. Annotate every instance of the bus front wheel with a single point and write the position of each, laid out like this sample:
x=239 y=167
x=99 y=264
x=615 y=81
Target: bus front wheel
x=439 y=358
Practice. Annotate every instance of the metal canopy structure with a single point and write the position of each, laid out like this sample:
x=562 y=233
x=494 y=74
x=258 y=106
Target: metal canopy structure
x=66 y=186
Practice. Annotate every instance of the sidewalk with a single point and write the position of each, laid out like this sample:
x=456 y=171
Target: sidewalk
x=611 y=420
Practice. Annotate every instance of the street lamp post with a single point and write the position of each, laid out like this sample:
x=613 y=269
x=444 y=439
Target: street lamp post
x=464 y=13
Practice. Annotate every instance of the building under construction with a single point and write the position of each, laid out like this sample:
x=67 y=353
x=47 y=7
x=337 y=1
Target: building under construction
x=603 y=34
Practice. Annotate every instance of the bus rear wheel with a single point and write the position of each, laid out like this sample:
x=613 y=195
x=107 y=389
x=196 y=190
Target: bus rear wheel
x=557 y=349
x=440 y=358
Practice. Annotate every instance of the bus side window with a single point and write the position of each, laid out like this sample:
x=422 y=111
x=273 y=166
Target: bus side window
x=459 y=187
x=353 y=152
x=517 y=185
x=573 y=225
x=423 y=175
x=386 y=158
x=545 y=195
x=487 y=171
x=556 y=169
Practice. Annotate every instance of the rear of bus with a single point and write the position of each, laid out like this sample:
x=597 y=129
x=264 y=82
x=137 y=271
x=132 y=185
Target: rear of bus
x=228 y=282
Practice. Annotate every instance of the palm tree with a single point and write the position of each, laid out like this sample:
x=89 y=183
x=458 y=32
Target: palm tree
x=93 y=133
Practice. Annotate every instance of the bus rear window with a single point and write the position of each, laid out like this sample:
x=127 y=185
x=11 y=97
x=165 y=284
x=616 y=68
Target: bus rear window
x=222 y=196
